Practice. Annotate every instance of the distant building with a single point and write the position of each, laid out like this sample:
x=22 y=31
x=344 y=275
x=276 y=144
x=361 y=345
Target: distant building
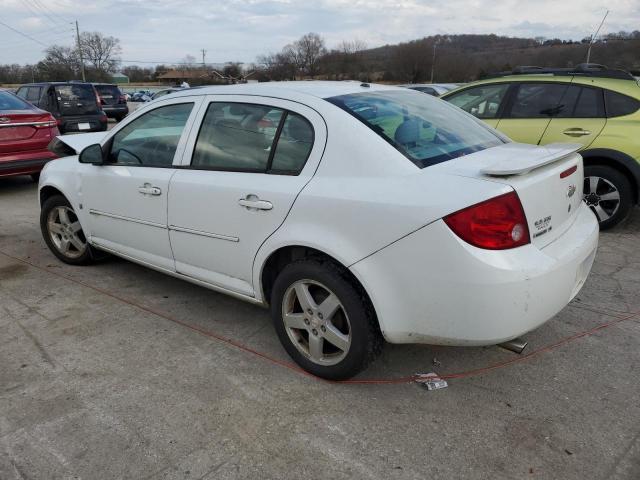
x=119 y=78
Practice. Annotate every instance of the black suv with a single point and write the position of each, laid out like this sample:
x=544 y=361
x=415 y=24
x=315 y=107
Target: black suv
x=75 y=105
x=112 y=100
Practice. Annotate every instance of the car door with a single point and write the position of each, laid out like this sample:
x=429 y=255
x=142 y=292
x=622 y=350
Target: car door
x=127 y=196
x=243 y=169
x=530 y=109
x=483 y=101
x=580 y=118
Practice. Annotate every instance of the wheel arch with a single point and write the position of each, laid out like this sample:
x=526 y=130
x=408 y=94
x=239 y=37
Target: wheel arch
x=47 y=192
x=278 y=259
x=622 y=162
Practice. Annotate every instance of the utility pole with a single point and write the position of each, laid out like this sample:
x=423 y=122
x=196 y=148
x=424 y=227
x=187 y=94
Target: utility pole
x=595 y=35
x=84 y=78
x=204 y=52
x=433 y=61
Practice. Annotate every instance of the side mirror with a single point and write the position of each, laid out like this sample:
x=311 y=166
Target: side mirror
x=92 y=154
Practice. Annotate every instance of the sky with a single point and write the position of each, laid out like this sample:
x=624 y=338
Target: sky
x=165 y=31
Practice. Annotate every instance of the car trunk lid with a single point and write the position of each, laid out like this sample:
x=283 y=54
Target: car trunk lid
x=548 y=181
x=20 y=130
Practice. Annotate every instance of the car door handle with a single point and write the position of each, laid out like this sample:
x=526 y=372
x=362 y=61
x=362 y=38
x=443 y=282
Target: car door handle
x=576 y=132
x=255 y=202
x=148 y=189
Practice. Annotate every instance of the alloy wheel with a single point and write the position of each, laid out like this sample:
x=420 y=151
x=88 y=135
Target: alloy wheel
x=316 y=322
x=65 y=232
x=601 y=196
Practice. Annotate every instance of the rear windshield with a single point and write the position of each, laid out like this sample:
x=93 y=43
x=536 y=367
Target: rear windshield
x=108 y=91
x=423 y=128
x=83 y=93
x=11 y=102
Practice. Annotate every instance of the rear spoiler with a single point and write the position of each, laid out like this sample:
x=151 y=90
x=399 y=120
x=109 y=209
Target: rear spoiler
x=68 y=145
x=533 y=159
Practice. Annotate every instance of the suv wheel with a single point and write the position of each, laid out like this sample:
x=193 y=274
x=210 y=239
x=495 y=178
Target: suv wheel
x=63 y=233
x=608 y=193
x=323 y=321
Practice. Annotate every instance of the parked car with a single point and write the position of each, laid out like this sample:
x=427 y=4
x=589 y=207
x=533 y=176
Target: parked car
x=591 y=105
x=166 y=91
x=414 y=224
x=25 y=133
x=112 y=100
x=75 y=105
x=435 y=89
x=141 y=96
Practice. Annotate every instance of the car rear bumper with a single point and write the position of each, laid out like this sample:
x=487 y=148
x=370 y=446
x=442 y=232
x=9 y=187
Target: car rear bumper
x=24 y=163
x=72 y=124
x=115 y=110
x=432 y=287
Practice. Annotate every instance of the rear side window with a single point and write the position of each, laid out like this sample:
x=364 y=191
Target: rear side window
x=618 y=104
x=11 y=102
x=33 y=94
x=75 y=92
x=425 y=129
x=482 y=101
x=244 y=137
x=537 y=100
x=581 y=102
x=22 y=92
x=294 y=145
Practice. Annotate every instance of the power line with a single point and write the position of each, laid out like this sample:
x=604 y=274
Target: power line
x=48 y=12
x=24 y=34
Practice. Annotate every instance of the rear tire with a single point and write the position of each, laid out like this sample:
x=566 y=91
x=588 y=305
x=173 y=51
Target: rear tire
x=325 y=323
x=608 y=194
x=63 y=233
x=35 y=177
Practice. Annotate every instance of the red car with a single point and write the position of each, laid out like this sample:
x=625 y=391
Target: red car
x=25 y=132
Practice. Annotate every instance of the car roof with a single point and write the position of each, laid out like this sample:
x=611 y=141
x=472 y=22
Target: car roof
x=626 y=86
x=40 y=84
x=313 y=88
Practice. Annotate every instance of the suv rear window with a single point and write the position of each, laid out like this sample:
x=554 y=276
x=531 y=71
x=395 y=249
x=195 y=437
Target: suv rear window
x=423 y=128
x=75 y=92
x=618 y=104
x=108 y=91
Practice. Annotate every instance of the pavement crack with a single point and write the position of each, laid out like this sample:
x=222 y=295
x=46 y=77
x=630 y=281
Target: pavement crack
x=43 y=352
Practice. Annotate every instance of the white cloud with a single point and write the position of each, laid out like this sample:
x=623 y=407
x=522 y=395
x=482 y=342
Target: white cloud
x=167 y=30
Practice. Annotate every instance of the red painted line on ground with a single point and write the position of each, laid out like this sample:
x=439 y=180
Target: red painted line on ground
x=368 y=381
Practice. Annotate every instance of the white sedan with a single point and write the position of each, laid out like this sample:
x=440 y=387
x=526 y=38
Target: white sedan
x=359 y=213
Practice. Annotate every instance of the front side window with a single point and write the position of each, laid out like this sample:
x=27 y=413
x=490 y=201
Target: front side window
x=482 y=101
x=425 y=129
x=152 y=139
x=252 y=138
x=537 y=100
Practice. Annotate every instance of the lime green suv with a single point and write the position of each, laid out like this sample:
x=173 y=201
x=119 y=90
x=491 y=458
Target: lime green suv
x=590 y=104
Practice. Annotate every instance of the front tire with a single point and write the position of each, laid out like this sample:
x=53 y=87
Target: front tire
x=325 y=323
x=608 y=193
x=63 y=233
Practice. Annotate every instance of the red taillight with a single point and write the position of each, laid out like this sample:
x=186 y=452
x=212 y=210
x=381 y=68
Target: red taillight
x=122 y=99
x=568 y=171
x=47 y=123
x=495 y=224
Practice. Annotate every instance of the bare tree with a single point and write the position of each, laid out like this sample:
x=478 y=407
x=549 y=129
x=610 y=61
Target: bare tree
x=100 y=51
x=308 y=51
x=60 y=63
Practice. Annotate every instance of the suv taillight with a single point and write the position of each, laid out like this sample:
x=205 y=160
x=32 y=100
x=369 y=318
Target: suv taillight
x=495 y=224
